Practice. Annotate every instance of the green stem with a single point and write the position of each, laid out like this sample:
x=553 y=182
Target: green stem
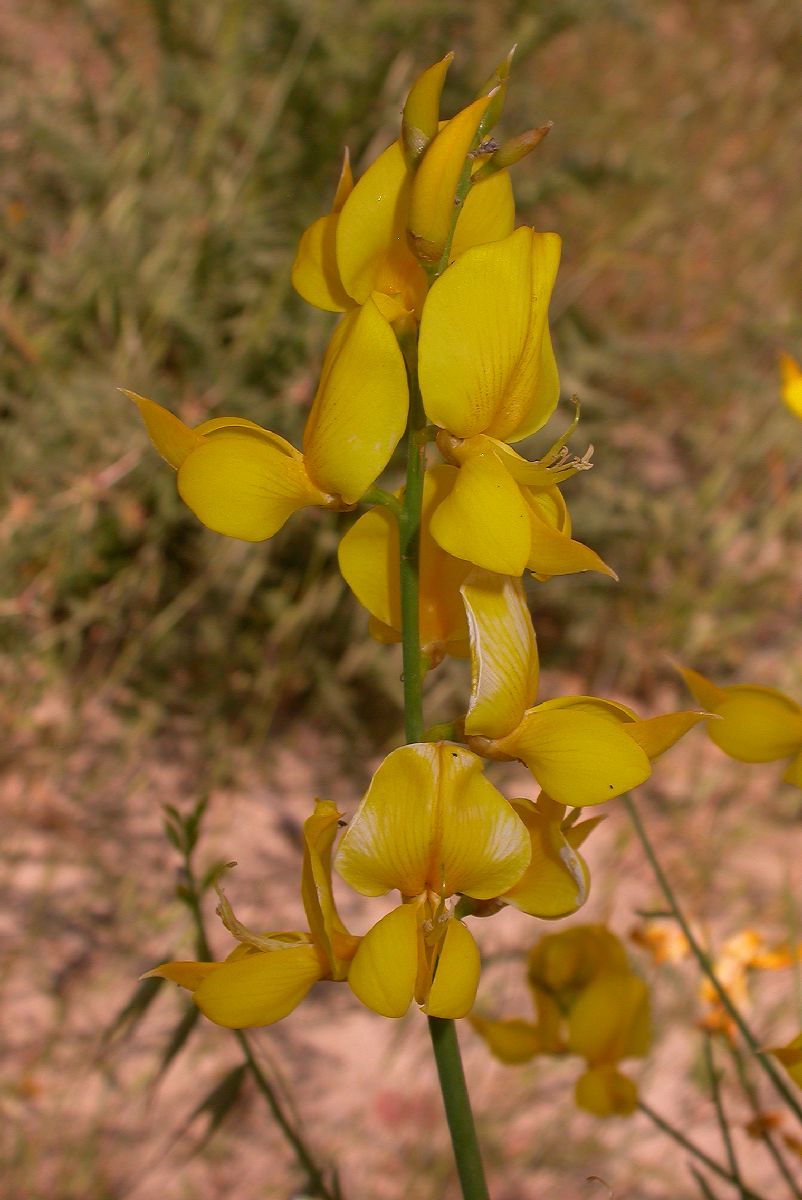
x=774 y=1150
x=765 y=1062
x=443 y=1032
x=458 y=1108
x=721 y=1116
x=681 y=1140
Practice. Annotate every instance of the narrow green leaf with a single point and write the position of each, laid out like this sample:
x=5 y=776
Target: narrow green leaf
x=178 y=1038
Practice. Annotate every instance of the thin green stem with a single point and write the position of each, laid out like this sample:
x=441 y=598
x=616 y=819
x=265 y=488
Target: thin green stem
x=748 y=1088
x=697 y=1152
x=315 y=1180
x=458 y=1108
x=721 y=1116
x=765 y=1062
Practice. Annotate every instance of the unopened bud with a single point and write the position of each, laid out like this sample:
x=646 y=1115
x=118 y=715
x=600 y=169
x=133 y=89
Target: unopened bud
x=512 y=151
x=497 y=82
x=421 y=116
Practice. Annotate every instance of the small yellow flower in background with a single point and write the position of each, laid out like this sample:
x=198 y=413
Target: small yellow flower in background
x=588 y=1002
x=432 y=827
x=757 y=724
x=740 y=955
x=790 y=1055
x=791 y=379
x=580 y=749
x=268 y=974
x=244 y=481
x=369 y=562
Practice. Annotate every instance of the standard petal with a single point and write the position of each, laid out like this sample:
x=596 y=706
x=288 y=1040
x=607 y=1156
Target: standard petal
x=456 y=976
x=430 y=820
x=360 y=410
x=481 y=847
x=481 y=339
x=757 y=724
x=244 y=485
x=385 y=966
x=504 y=661
x=372 y=251
x=488 y=214
x=314 y=272
x=557 y=881
x=259 y=988
x=172 y=438
x=387 y=844
x=654 y=735
x=485 y=519
x=513 y=1041
x=578 y=758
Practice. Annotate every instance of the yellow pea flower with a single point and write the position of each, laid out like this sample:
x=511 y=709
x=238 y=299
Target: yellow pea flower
x=244 y=481
x=488 y=377
x=431 y=826
x=268 y=975
x=756 y=724
x=581 y=750
x=557 y=881
x=791 y=381
x=369 y=562
x=360 y=249
x=588 y=1002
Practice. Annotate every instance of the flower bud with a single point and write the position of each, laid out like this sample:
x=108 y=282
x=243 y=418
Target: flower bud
x=421 y=116
x=512 y=151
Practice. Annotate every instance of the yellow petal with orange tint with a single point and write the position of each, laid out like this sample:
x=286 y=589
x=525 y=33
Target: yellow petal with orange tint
x=606 y=1092
x=485 y=518
x=385 y=966
x=791 y=376
x=244 y=485
x=325 y=927
x=654 y=735
x=481 y=339
x=259 y=988
x=610 y=1019
x=360 y=410
x=172 y=438
x=504 y=661
x=578 y=758
x=456 y=977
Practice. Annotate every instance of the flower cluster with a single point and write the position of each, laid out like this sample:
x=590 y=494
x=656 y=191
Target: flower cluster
x=444 y=333
x=588 y=1001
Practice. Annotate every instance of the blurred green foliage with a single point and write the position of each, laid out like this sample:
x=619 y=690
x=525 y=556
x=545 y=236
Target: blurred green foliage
x=160 y=160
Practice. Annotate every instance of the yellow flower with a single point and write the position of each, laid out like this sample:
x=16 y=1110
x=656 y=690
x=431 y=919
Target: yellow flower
x=431 y=826
x=581 y=750
x=790 y=1055
x=369 y=561
x=557 y=881
x=791 y=377
x=757 y=724
x=588 y=1002
x=361 y=249
x=244 y=481
x=268 y=975
x=488 y=377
